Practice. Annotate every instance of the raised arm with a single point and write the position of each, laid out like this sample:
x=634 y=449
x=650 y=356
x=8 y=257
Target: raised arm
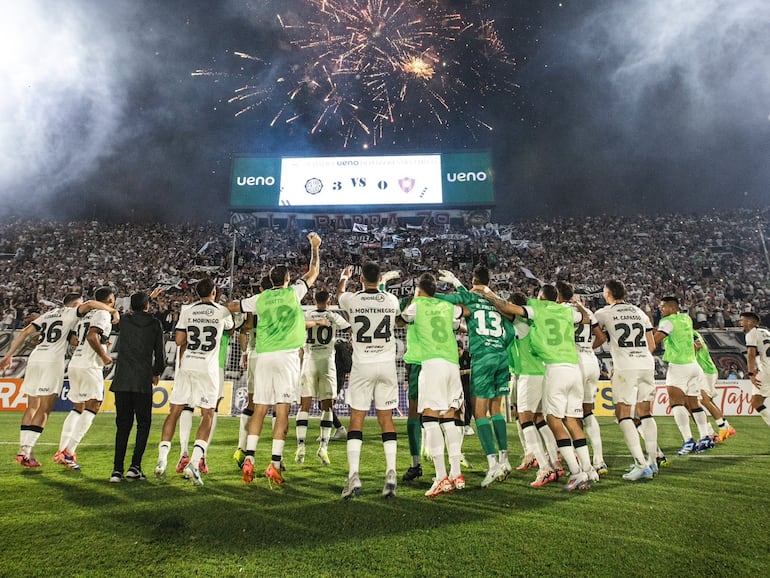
x=344 y=277
x=315 y=259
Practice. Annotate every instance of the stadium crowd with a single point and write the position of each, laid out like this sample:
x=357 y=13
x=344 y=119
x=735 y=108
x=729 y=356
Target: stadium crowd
x=715 y=263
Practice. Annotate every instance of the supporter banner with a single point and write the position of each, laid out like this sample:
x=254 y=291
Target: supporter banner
x=11 y=398
x=352 y=221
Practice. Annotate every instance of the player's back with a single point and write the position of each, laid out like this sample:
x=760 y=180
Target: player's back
x=320 y=339
x=759 y=337
x=372 y=315
x=54 y=326
x=626 y=326
x=84 y=355
x=204 y=324
x=488 y=331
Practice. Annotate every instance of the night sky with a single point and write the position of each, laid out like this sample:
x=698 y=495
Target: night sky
x=595 y=107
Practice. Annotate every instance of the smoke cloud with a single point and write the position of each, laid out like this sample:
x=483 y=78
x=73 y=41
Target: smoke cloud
x=678 y=92
x=62 y=103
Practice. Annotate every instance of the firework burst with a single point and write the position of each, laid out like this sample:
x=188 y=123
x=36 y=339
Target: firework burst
x=363 y=69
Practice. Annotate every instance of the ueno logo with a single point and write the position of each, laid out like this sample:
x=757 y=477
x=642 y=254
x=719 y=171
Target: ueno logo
x=255 y=181
x=466 y=177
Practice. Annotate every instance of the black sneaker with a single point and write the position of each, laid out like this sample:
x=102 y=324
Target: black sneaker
x=135 y=473
x=412 y=473
x=116 y=477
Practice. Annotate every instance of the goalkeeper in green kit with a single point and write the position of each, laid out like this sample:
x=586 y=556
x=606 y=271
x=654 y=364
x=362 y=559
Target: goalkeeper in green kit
x=489 y=335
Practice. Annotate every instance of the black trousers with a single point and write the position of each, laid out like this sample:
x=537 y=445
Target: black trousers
x=468 y=404
x=129 y=404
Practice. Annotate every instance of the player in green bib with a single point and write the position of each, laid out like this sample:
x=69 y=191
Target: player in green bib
x=280 y=335
x=683 y=376
x=708 y=390
x=432 y=344
x=489 y=334
x=529 y=375
x=280 y=321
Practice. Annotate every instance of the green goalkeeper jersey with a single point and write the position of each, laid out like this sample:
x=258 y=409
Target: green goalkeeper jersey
x=488 y=331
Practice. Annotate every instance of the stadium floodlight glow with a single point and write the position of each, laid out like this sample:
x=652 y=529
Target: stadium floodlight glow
x=404 y=181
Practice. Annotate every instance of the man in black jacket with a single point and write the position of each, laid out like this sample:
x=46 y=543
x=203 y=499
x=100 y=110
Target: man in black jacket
x=141 y=360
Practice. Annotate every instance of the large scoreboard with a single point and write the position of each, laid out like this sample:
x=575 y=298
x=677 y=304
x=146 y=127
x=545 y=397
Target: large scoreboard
x=407 y=181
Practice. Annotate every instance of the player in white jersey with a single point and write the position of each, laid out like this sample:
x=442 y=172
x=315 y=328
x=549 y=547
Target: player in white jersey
x=758 y=358
x=280 y=335
x=319 y=373
x=372 y=314
x=44 y=375
x=86 y=376
x=629 y=332
x=198 y=335
x=589 y=368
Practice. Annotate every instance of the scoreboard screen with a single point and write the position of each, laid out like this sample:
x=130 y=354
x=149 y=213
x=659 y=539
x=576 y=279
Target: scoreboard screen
x=446 y=179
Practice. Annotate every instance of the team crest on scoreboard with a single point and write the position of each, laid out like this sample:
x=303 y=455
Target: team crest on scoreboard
x=406 y=184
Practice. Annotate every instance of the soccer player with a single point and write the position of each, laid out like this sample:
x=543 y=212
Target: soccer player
x=708 y=390
x=589 y=367
x=683 y=374
x=489 y=334
x=758 y=359
x=529 y=374
x=629 y=332
x=44 y=376
x=553 y=341
x=199 y=336
x=373 y=376
x=86 y=375
x=319 y=373
x=432 y=344
x=185 y=419
x=279 y=337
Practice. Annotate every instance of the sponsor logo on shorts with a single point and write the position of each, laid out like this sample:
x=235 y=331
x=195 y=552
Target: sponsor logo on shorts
x=391 y=403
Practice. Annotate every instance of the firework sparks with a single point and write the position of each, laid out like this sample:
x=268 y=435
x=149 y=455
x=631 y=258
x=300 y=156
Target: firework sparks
x=359 y=67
